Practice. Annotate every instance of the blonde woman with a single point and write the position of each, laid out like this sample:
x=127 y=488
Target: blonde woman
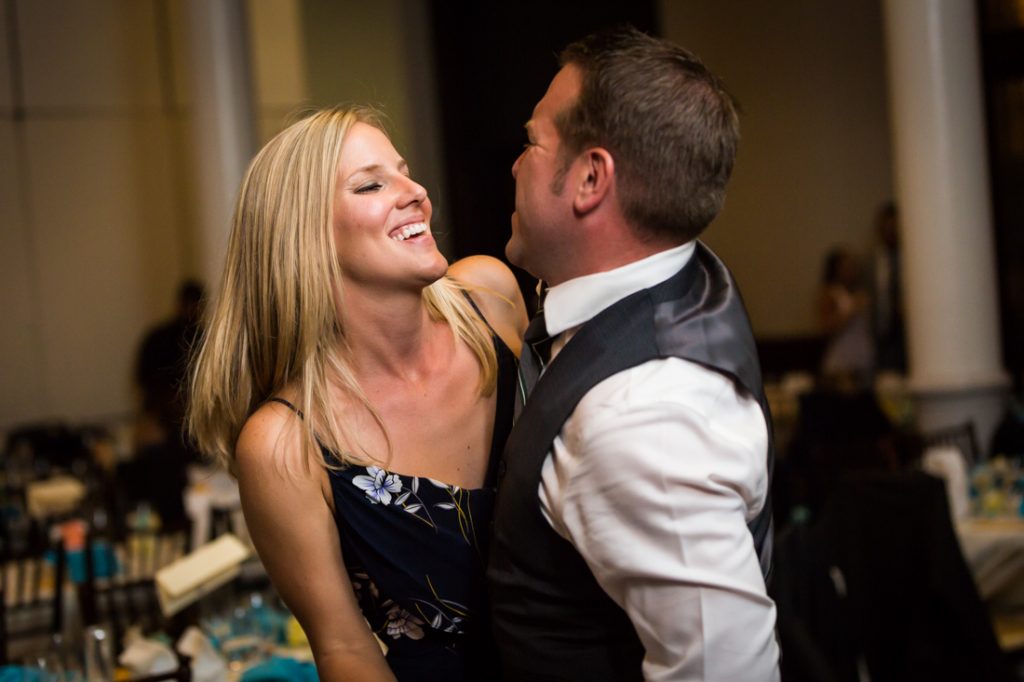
x=360 y=389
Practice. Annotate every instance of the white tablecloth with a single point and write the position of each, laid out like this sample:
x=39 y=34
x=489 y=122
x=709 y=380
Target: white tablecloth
x=994 y=550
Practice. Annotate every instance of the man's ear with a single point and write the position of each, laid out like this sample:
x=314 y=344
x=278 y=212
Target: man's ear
x=596 y=177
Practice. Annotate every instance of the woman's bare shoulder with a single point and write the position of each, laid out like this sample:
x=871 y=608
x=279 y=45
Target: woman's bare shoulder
x=485 y=272
x=495 y=290
x=270 y=438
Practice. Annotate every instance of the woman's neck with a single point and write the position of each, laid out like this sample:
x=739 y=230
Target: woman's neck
x=392 y=334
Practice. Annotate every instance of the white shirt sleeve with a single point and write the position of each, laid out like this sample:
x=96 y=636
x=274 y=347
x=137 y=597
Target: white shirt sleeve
x=653 y=479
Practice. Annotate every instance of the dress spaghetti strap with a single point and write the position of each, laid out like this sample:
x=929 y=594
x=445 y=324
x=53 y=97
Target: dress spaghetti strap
x=287 y=404
x=480 y=313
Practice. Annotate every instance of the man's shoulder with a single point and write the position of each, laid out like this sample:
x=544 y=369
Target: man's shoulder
x=664 y=381
x=661 y=396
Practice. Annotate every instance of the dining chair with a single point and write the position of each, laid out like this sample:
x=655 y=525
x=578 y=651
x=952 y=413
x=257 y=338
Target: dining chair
x=963 y=437
x=877 y=586
x=34 y=569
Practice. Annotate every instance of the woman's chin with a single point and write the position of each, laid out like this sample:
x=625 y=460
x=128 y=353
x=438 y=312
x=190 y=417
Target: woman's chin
x=437 y=269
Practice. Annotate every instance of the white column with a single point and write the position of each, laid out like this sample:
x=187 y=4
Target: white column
x=222 y=121
x=942 y=188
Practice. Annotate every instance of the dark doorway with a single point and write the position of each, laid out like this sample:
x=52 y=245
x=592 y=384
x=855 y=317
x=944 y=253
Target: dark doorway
x=495 y=61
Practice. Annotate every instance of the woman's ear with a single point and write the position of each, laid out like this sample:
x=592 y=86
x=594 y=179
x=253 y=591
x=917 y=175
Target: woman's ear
x=596 y=177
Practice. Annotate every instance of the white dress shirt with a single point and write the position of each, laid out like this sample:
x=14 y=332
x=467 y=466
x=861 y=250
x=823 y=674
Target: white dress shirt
x=653 y=479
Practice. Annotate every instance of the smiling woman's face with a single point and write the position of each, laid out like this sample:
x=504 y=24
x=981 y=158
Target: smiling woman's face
x=381 y=216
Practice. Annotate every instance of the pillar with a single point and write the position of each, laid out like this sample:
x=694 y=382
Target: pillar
x=222 y=120
x=942 y=189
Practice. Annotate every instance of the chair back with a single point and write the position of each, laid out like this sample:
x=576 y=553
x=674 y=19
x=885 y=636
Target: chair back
x=963 y=437
x=34 y=570
x=877 y=585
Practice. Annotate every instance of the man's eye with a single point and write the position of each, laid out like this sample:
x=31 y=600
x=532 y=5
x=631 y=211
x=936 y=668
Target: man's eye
x=369 y=187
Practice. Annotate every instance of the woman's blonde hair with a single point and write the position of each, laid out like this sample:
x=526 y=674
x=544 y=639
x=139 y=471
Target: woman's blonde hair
x=273 y=322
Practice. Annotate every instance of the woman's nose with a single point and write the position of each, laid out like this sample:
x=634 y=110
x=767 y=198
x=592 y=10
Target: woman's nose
x=415 y=192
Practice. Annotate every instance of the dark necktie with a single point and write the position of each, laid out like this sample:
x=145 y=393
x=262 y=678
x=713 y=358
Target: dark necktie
x=535 y=356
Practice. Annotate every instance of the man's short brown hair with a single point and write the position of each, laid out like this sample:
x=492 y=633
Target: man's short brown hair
x=666 y=119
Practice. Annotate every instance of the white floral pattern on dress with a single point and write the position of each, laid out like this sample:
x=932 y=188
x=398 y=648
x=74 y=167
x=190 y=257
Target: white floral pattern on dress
x=378 y=484
x=401 y=622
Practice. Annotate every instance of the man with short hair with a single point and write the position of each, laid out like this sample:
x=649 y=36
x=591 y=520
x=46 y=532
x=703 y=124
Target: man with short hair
x=633 y=524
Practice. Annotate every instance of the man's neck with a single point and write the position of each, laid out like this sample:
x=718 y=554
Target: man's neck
x=608 y=249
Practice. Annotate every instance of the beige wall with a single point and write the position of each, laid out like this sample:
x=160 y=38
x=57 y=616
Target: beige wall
x=277 y=44
x=90 y=251
x=814 y=161
x=379 y=53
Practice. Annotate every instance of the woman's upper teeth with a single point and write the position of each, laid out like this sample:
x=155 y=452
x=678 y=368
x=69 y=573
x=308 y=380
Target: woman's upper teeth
x=410 y=230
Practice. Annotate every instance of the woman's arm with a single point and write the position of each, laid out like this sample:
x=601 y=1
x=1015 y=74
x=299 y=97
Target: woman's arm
x=293 y=529
x=495 y=290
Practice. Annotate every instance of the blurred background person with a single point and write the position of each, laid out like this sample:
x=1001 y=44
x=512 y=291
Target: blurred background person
x=843 y=308
x=154 y=479
x=161 y=366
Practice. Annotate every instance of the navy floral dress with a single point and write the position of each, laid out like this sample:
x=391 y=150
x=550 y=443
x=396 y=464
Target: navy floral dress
x=415 y=550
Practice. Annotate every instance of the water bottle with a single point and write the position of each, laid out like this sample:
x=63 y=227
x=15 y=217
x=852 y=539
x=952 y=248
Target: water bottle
x=99 y=655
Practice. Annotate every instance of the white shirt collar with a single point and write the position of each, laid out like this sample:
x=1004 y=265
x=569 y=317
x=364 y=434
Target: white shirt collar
x=572 y=303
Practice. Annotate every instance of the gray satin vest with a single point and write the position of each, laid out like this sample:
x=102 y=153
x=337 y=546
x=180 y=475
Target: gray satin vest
x=552 y=620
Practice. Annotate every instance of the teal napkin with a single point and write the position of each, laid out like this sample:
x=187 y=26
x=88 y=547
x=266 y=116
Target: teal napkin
x=279 y=669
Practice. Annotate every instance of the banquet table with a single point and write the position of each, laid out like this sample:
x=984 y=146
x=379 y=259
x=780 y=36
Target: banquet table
x=994 y=551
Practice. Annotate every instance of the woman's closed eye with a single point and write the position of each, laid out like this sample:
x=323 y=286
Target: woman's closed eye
x=368 y=187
